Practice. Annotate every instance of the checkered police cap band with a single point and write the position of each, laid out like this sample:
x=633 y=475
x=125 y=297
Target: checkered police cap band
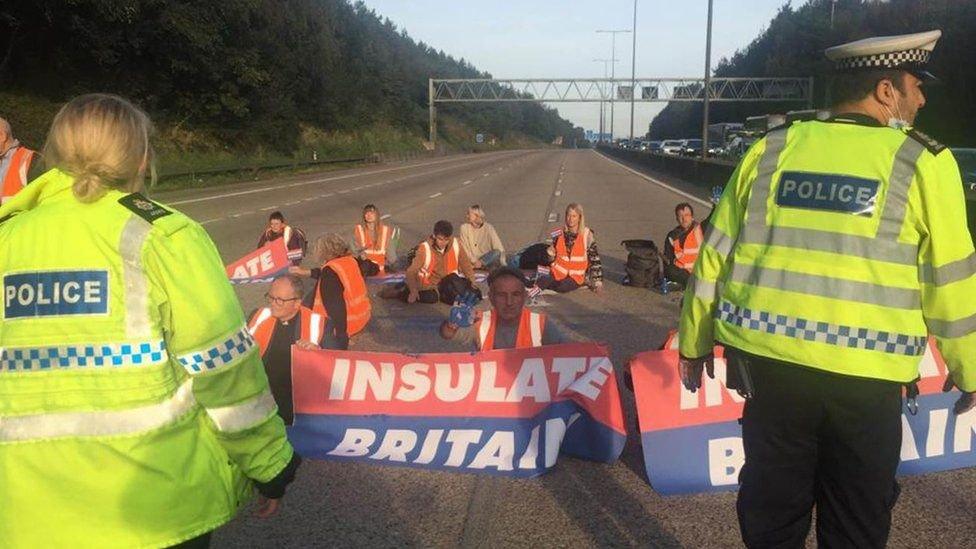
x=890 y=60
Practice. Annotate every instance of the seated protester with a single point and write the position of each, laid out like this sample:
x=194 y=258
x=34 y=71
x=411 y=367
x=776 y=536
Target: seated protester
x=340 y=291
x=681 y=248
x=375 y=242
x=275 y=328
x=18 y=164
x=508 y=324
x=440 y=270
x=576 y=259
x=480 y=241
x=532 y=257
x=295 y=241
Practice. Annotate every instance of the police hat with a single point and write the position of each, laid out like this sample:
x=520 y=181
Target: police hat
x=907 y=52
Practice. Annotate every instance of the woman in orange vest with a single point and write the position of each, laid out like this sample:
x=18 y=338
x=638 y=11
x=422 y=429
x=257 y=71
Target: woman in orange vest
x=340 y=293
x=375 y=242
x=576 y=260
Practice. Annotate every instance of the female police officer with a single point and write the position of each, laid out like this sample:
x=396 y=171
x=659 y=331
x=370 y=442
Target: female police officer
x=133 y=404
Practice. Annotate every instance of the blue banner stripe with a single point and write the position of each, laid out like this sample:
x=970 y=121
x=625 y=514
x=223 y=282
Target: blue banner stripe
x=37 y=359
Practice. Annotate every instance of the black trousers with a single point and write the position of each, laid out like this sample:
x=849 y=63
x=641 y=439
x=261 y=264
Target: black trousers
x=815 y=439
x=676 y=274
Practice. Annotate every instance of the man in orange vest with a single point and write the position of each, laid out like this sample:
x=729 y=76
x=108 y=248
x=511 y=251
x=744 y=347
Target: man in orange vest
x=508 y=324
x=681 y=248
x=440 y=270
x=16 y=162
x=275 y=328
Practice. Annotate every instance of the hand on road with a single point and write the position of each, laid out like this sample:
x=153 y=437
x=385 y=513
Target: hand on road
x=690 y=370
x=306 y=345
x=300 y=271
x=966 y=401
x=267 y=507
x=413 y=296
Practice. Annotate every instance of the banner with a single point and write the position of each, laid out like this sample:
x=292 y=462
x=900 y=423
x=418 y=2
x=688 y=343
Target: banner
x=506 y=412
x=261 y=265
x=693 y=442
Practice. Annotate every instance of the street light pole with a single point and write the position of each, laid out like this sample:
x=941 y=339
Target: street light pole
x=708 y=80
x=613 y=72
x=633 y=73
x=606 y=73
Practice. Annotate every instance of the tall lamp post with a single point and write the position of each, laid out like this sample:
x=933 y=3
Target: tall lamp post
x=708 y=81
x=606 y=73
x=633 y=73
x=613 y=75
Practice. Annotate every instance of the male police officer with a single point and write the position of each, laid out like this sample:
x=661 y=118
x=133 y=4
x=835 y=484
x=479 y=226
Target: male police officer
x=833 y=252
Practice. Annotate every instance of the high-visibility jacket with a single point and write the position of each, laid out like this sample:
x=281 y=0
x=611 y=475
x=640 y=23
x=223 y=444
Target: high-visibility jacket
x=358 y=306
x=14 y=176
x=529 y=334
x=686 y=251
x=839 y=245
x=572 y=263
x=262 y=325
x=451 y=260
x=133 y=402
x=375 y=251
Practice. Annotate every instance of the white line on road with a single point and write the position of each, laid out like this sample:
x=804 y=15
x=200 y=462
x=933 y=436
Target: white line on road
x=343 y=191
x=326 y=195
x=268 y=208
x=385 y=216
x=468 y=182
x=558 y=192
x=552 y=217
x=292 y=203
x=485 y=174
x=657 y=182
x=435 y=195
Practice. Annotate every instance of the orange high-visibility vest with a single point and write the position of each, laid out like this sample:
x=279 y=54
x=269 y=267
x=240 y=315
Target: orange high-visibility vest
x=262 y=324
x=571 y=263
x=358 y=307
x=16 y=176
x=529 y=334
x=375 y=251
x=686 y=253
x=451 y=260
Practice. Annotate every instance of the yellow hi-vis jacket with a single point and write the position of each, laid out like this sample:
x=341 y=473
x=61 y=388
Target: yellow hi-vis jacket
x=133 y=403
x=839 y=245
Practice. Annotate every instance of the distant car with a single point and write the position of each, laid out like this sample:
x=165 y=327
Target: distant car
x=654 y=146
x=672 y=146
x=692 y=147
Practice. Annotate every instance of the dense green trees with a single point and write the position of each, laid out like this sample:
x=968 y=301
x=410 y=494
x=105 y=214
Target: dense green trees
x=793 y=45
x=250 y=71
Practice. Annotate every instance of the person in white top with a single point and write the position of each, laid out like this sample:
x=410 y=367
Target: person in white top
x=480 y=240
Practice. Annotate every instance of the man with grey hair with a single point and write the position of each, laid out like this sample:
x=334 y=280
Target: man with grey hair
x=15 y=163
x=279 y=325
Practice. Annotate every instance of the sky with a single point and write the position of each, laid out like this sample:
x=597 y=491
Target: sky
x=558 y=39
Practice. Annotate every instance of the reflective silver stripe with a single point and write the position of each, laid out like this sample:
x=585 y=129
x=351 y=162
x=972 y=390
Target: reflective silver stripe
x=483 y=328
x=134 y=234
x=952 y=328
x=948 y=273
x=705 y=290
x=315 y=329
x=261 y=317
x=900 y=181
x=756 y=210
x=824 y=286
x=98 y=423
x=719 y=241
x=846 y=244
x=535 y=328
x=247 y=414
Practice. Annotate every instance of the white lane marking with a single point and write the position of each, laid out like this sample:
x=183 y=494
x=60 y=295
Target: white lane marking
x=211 y=220
x=312 y=182
x=656 y=181
x=292 y=203
x=468 y=182
x=485 y=174
x=343 y=191
x=435 y=195
x=552 y=217
x=385 y=216
x=326 y=195
x=558 y=192
x=268 y=208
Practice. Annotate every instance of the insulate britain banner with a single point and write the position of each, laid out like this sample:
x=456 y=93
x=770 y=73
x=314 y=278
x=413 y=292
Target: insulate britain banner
x=261 y=265
x=693 y=442
x=506 y=412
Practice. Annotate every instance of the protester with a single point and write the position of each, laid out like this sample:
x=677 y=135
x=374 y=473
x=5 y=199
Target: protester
x=275 y=328
x=576 y=260
x=17 y=163
x=508 y=324
x=440 y=270
x=836 y=250
x=682 y=244
x=340 y=291
x=136 y=408
x=375 y=242
x=480 y=240
x=295 y=241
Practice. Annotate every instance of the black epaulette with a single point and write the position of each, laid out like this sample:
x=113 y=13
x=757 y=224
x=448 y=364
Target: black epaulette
x=932 y=145
x=143 y=207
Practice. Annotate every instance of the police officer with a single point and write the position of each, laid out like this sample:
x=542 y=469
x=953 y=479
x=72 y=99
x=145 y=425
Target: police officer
x=838 y=246
x=134 y=409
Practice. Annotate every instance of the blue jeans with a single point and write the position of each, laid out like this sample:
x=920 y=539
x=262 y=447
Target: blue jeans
x=491 y=259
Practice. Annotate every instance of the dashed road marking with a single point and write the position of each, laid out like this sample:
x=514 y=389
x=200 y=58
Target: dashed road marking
x=292 y=203
x=558 y=192
x=435 y=195
x=268 y=208
x=485 y=174
x=552 y=217
x=468 y=182
x=343 y=191
x=385 y=216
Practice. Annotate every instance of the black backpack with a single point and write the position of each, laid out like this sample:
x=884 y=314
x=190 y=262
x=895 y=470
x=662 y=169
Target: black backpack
x=645 y=266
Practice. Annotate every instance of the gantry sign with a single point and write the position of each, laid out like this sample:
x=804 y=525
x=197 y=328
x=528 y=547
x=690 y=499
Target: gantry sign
x=592 y=90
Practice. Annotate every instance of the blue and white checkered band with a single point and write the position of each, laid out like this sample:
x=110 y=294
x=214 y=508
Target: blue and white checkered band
x=218 y=356
x=104 y=355
x=821 y=332
x=890 y=60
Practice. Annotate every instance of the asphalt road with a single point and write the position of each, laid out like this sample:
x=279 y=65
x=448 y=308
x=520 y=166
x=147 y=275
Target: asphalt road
x=579 y=503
